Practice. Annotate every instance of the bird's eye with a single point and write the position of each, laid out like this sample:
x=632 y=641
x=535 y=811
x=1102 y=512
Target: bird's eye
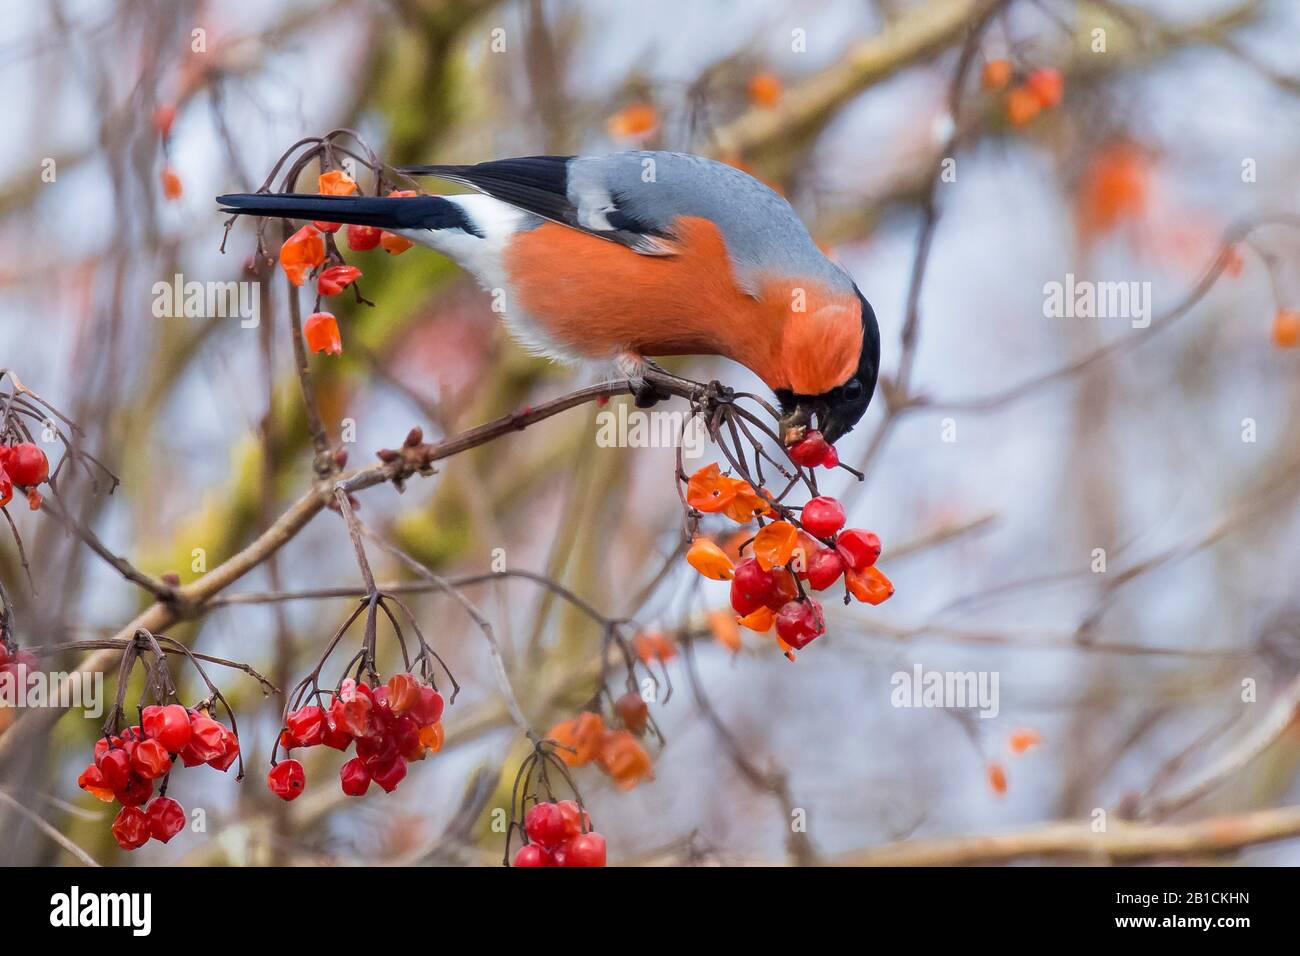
x=852 y=390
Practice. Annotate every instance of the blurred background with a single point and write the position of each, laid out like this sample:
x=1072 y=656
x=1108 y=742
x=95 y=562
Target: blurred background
x=1009 y=456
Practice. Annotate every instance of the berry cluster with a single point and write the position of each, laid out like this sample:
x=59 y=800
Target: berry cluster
x=1031 y=92
x=392 y=725
x=25 y=466
x=128 y=765
x=306 y=251
x=586 y=739
x=767 y=587
x=560 y=834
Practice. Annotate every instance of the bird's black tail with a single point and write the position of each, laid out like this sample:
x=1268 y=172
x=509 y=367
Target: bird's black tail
x=408 y=212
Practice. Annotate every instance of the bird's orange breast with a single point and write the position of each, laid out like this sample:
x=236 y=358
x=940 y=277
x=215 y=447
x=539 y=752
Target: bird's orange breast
x=597 y=298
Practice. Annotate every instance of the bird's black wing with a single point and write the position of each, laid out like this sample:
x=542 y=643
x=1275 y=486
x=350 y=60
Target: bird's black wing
x=540 y=185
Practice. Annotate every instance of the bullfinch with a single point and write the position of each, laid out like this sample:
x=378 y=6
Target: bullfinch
x=633 y=255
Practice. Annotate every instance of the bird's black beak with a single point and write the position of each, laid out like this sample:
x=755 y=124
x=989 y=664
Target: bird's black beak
x=802 y=413
x=833 y=413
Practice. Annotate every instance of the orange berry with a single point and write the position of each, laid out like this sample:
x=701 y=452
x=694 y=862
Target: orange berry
x=869 y=585
x=1022 y=740
x=1286 y=328
x=709 y=490
x=1114 y=188
x=321 y=331
x=335 y=183
x=301 y=253
x=1022 y=106
x=710 y=560
x=578 y=739
x=654 y=646
x=997 y=778
x=171 y=183
x=624 y=759
x=996 y=74
x=636 y=121
x=774 y=544
x=765 y=89
x=394 y=244
x=1047 y=85
x=760 y=620
x=432 y=736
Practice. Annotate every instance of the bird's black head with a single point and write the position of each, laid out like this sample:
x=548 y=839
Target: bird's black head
x=834 y=413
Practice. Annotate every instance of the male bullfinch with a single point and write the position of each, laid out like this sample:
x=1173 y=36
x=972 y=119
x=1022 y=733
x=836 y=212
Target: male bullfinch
x=640 y=254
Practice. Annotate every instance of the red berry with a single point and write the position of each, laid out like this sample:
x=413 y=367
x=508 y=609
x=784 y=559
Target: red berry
x=799 y=623
x=361 y=238
x=166 y=818
x=544 y=824
x=530 y=855
x=809 y=452
x=27 y=465
x=376 y=750
x=150 y=759
x=389 y=774
x=207 y=741
x=751 y=587
x=632 y=710
x=135 y=793
x=336 y=739
x=832 y=459
x=131 y=828
x=92 y=781
x=336 y=278
x=824 y=568
x=351 y=715
x=822 y=517
x=229 y=752
x=406 y=735
x=306 y=726
x=428 y=709
x=287 y=779
x=783 y=589
x=858 y=548
x=115 y=765
x=6 y=488
x=574 y=817
x=354 y=777
x=169 y=725
x=588 y=849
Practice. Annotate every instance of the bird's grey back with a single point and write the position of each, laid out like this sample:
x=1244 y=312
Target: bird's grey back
x=762 y=232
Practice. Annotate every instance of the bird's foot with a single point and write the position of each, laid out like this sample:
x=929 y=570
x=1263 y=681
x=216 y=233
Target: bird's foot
x=646 y=393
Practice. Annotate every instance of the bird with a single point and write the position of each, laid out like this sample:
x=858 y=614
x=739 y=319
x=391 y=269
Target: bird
x=627 y=257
